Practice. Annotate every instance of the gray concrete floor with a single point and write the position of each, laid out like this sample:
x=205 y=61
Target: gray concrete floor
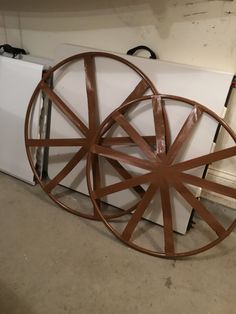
x=54 y=262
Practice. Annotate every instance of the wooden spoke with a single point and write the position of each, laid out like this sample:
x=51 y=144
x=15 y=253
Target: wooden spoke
x=66 y=170
x=89 y=68
x=51 y=142
x=125 y=174
x=167 y=218
x=127 y=184
x=159 y=123
x=135 y=136
x=206 y=159
x=162 y=175
x=96 y=179
x=208 y=185
x=152 y=168
x=200 y=209
x=65 y=109
x=124 y=140
x=115 y=155
x=55 y=97
x=138 y=91
x=137 y=215
x=167 y=125
x=122 y=212
x=96 y=172
x=184 y=134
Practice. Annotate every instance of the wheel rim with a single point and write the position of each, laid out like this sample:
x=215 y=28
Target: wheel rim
x=82 y=142
x=162 y=174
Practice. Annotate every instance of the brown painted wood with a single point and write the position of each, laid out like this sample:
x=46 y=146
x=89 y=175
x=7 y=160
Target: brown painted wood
x=200 y=209
x=129 y=183
x=137 y=92
x=124 y=140
x=137 y=215
x=134 y=135
x=51 y=142
x=89 y=69
x=64 y=108
x=116 y=155
x=66 y=170
x=85 y=132
x=125 y=174
x=159 y=123
x=96 y=180
x=208 y=185
x=184 y=134
x=164 y=174
x=206 y=159
x=167 y=218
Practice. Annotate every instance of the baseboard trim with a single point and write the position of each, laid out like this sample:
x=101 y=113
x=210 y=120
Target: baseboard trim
x=221 y=177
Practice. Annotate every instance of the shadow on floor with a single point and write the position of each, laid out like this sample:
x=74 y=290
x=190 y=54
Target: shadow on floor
x=10 y=303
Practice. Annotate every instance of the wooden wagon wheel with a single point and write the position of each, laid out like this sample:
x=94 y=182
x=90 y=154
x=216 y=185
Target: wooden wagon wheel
x=161 y=172
x=85 y=132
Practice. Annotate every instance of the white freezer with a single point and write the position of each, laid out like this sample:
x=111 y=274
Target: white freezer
x=18 y=80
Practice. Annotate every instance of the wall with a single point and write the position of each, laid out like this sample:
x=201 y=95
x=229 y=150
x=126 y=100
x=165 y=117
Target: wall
x=198 y=32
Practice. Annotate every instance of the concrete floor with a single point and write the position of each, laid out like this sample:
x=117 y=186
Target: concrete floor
x=54 y=262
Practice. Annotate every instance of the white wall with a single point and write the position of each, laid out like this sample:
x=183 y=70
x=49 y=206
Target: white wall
x=193 y=32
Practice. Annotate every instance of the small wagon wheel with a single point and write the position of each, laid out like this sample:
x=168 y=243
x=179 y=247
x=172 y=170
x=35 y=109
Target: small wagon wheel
x=85 y=130
x=160 y=173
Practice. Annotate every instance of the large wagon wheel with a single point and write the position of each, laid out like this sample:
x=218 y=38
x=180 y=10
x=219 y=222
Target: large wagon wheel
x=161 y=174
x=86 y=131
